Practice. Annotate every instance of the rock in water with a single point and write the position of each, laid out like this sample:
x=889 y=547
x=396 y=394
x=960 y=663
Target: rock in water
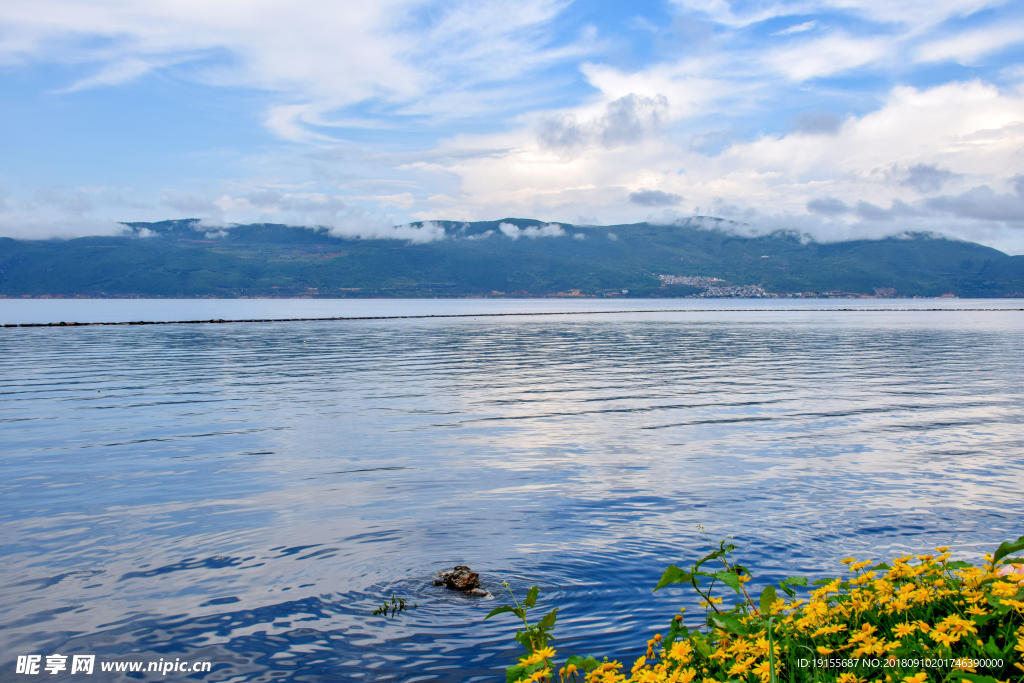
x=461 y=578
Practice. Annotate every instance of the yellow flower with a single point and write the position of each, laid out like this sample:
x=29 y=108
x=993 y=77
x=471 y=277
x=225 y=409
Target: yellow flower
x=904 y=630
x=538 y=656
x=739 y=668
x=849 y=678
x=762 y=669
x=822 y=650
x=681 y=650
x=957 y=626
x=944 y=638
x=865 y=631
x=685 y=675
x=1003 y=589
x=919 y=677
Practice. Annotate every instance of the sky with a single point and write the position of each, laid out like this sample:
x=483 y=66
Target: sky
x=839 y=119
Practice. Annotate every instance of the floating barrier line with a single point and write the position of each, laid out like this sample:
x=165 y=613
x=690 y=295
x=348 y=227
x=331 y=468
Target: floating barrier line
x=503 y=315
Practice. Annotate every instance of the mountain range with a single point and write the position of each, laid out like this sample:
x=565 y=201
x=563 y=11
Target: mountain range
x=509 y=257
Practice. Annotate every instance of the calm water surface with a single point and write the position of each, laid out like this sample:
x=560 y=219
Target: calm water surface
x=247 y=494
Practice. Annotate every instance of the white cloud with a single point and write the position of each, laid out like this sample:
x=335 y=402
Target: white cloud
x=317 y=55
x=628 y=141
x=300 y=209
x=212 y=225
x=881 y=167
x=927 y=12
x=681 y=89
x=967 y=47
x=654 y=198
x=913 y=12
x=623 y=121
x=797 y=28
x=368 y=228
x=115 y=73
x=827 y=56
x=531 y=231
x=41 y=225
x=984 y=203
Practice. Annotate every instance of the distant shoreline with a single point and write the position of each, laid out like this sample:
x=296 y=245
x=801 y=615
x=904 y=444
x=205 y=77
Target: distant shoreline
x=526 y=297
x=217 y=321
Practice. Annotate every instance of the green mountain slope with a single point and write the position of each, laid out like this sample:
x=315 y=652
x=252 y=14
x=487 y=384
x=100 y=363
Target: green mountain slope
x=172 y=258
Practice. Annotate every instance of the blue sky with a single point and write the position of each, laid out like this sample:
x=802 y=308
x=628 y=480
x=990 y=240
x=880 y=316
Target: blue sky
x=837 y=118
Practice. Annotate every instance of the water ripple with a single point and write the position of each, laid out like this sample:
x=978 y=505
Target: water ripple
x=248 y=494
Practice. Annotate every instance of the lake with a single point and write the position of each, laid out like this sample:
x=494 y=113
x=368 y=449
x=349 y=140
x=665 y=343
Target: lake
x=246 y=494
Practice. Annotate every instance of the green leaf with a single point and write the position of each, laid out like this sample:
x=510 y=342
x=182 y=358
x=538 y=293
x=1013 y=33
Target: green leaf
x=882 y=566
x=727 y=623
x=730 y=579
x=500 y=610
x=1005 y=549
x=974 y=678
x=767 y=600
x=981 y=619
x=958 y=565
x=792 y=581
x=701 y=645
x=531 y=597
x=518 y=672
x=548 y=622
x=514 y=673
x=715 y=555
x=991 y=649
x=822 y=582
x=997 y=604
x=672 y=574
x=586 y=664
